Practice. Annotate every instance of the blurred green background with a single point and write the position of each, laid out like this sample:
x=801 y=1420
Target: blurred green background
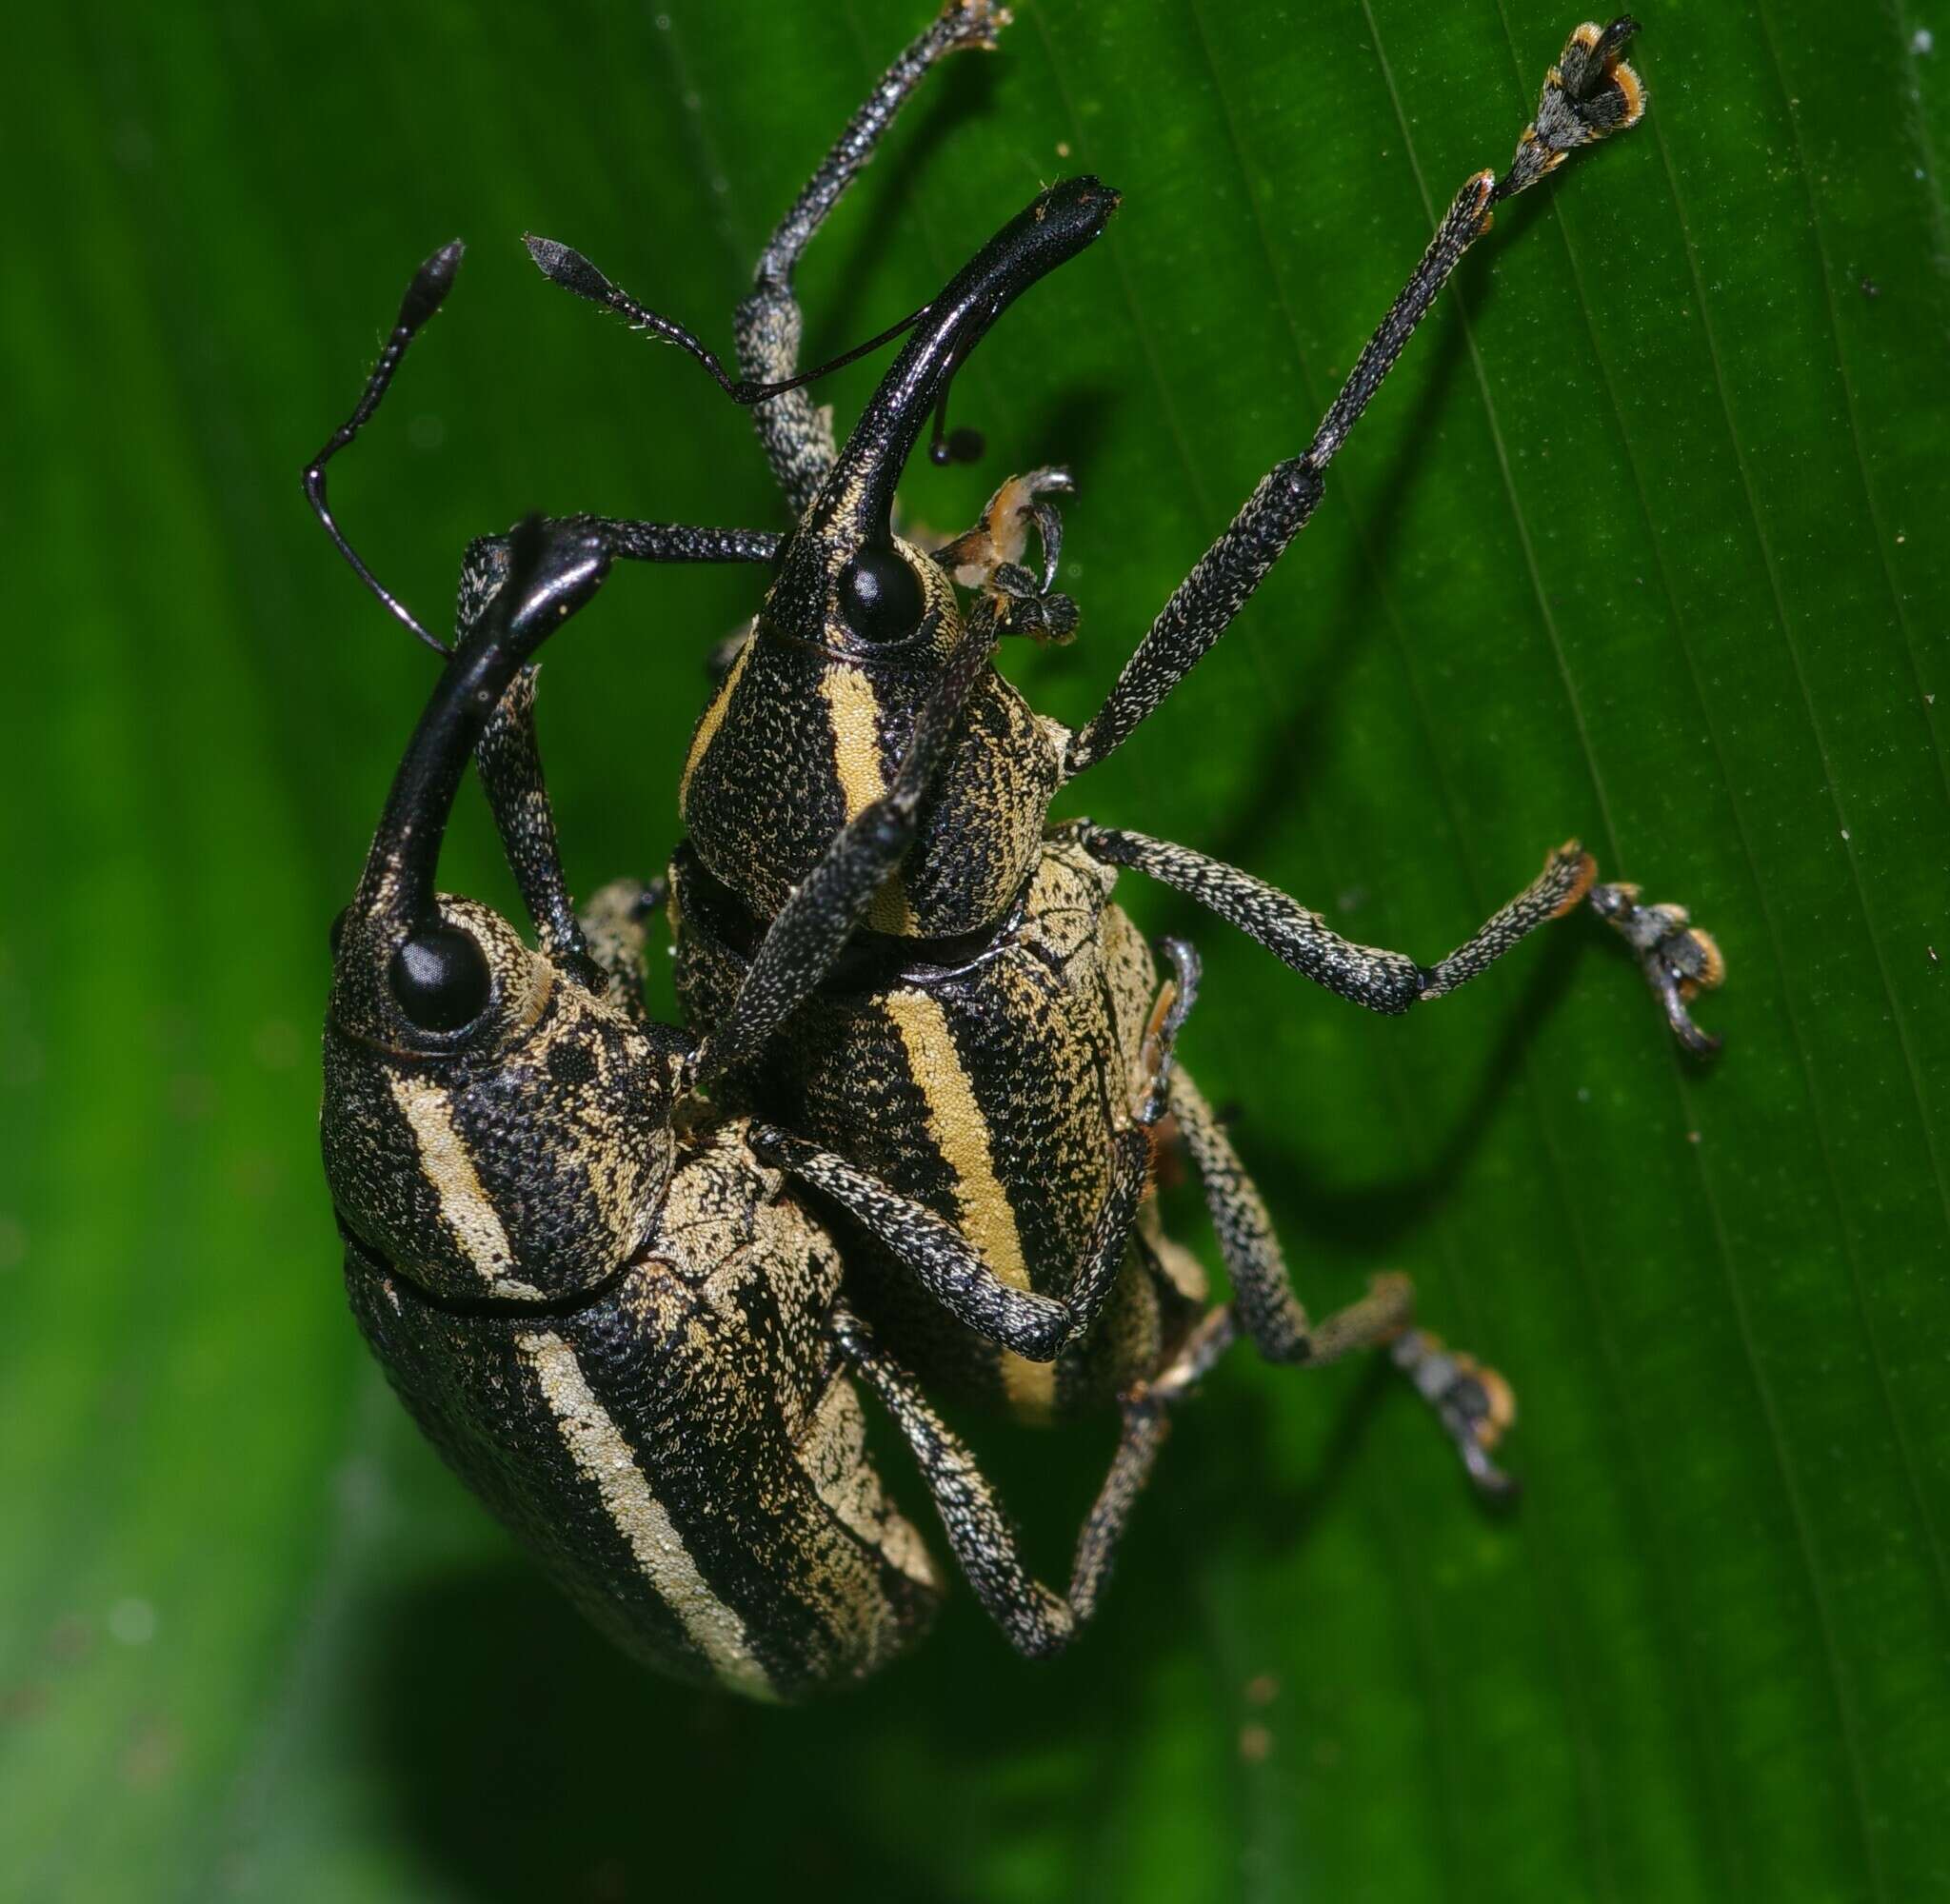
x=1645 y=542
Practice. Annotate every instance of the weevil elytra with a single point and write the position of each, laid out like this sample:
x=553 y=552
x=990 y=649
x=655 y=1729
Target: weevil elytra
x=915 y=786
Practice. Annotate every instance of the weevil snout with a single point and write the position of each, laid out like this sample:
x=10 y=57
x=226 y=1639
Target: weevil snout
x=843 y=579
x=494 y=1126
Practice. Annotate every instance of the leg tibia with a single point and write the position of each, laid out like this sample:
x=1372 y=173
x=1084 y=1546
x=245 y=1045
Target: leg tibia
x=797 y=433
x=1037 y=1621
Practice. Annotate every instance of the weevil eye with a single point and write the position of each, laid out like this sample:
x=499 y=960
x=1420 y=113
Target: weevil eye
x=880 y=596
x=439 y=978
x=338 y=928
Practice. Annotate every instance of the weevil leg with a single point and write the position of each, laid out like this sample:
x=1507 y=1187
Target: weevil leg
x=1367 y=974
x=615 y=925
x=1679 y=960
x=797 y=434
x=1589 y=94
x=991 y=557
x=1034 y=1326
x=606 y=936
x=627 y=540
x=814 y=923
x=509 y=764
x=1038 y=1622
x=1473 y=1403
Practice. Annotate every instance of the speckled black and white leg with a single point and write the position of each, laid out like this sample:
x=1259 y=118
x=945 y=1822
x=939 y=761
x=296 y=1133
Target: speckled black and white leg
x=1037 y=1620
x=606 y=936
x=1678 y=959
x=1034 y=1326
x=1588 y=95
x=814 y=923
x=1366 y=975
x=1473 y=1403
x=796 y=432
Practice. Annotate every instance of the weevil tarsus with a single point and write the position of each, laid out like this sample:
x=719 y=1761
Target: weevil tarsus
x=1679 y=959
x=1474 y=1404
x=990 y=555
x=1268 y=1308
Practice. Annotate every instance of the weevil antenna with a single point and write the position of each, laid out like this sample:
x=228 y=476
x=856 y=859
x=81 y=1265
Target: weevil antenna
x=857 y=500
x=565 y=266
x=424 y=295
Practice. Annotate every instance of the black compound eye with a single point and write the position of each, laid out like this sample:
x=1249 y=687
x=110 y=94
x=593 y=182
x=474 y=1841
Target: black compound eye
x=880 y=596
x=440 y=978
x=338 y=929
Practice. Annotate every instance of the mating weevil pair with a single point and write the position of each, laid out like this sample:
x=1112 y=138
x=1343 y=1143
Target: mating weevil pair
x=628 y=1278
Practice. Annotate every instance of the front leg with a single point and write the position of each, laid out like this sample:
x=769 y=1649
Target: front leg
x=797 y=434
x=605 y=940
x=1589 y=94
x=821 y=913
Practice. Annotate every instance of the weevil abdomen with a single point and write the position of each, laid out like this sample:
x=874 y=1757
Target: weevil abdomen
x=683 y=1453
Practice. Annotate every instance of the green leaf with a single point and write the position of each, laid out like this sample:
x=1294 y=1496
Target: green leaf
x=1644 y=542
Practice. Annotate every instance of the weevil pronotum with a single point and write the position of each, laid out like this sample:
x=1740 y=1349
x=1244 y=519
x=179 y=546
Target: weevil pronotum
x=500 y=1165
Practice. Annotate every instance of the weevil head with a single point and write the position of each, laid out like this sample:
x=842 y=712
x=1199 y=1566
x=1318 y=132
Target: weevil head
x=845 y=580
x=812 y=721
x=496 y=1124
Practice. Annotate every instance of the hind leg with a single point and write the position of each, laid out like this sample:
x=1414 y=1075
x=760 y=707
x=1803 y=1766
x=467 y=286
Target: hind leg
x=1474 y=1404
x=1037 y=1620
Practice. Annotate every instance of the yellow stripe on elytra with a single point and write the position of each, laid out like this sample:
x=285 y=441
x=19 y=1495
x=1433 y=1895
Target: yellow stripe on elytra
x=958 y=1133
x=714 y=717
x=603 y=1458
x=464 y=1204
x=853 y=711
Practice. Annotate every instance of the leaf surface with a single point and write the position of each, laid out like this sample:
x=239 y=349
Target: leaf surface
x=1643 y=542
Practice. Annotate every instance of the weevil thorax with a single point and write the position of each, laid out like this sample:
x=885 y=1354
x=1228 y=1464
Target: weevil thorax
x=494 y=1126
x=811 y=723
x=520 y=1156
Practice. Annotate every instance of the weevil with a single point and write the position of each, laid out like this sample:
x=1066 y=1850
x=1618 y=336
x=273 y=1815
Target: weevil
x=945 y=768
x=603 y=1299
x=820 y=708
x=618 y=1321
x=823 y=793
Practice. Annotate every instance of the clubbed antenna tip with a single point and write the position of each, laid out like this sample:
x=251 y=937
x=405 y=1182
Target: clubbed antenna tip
x=430 y=285
x=424 y=295
x=563 y=264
